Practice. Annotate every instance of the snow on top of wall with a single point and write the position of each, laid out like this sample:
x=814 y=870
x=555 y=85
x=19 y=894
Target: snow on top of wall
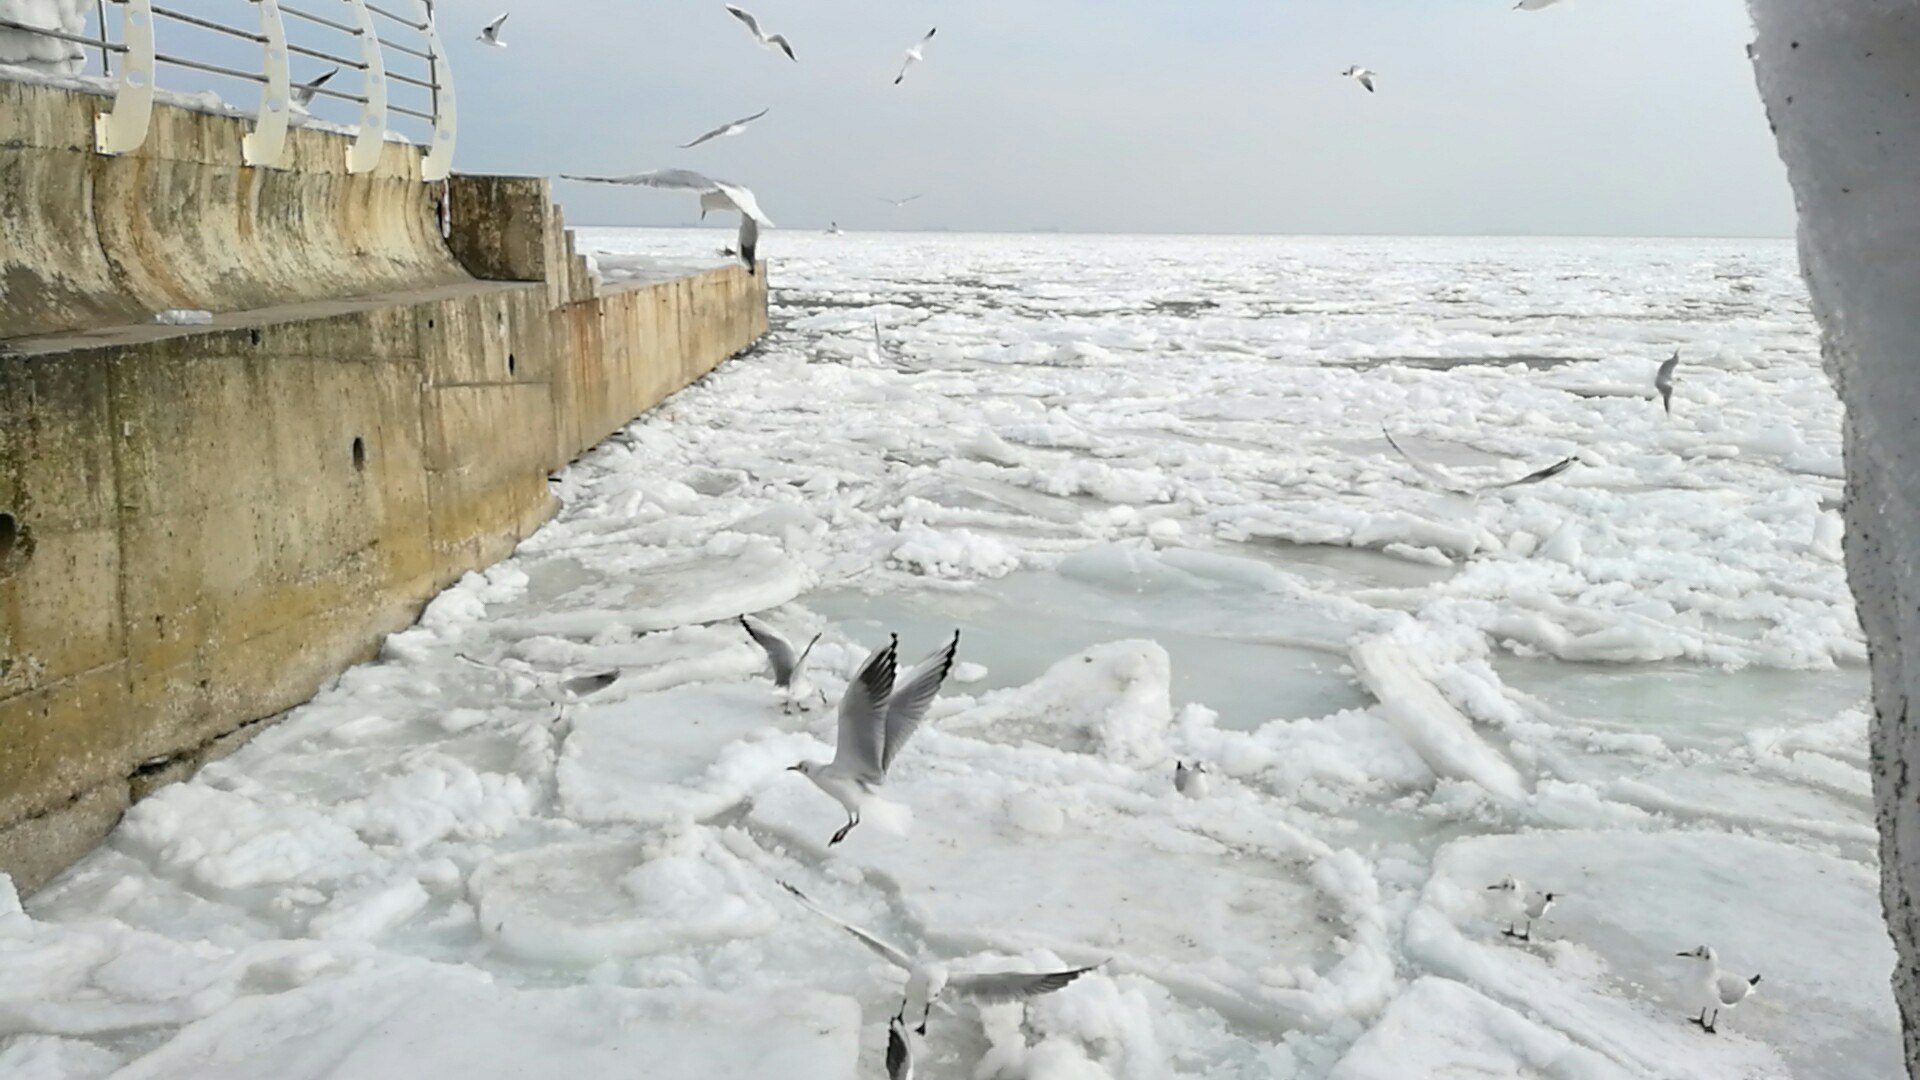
x=38 y=52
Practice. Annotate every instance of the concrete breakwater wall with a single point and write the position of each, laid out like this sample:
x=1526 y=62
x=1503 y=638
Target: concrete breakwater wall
x=200 y=524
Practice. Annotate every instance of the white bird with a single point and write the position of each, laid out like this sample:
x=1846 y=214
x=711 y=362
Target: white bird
x=1535 y=907
x=561 y=690
x=1534 y=5
x=490 y=33
x=1364 y=75
x=1191 y=782
x=898 y=203
x=766 y=40
x=875 y=724
x=787 y=674
x=1446 y=481
x=1513 y=902
x=1663 y=380
x=714 y=195
x=303 y=94
x=899 y=1051
x=1720 y=991
x=927 y=980
x=731 y=127
x=914 y=55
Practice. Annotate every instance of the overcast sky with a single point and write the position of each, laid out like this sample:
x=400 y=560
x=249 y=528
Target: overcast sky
x=1612 y=117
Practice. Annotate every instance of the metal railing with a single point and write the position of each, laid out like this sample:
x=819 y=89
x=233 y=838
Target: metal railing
x=132 y=59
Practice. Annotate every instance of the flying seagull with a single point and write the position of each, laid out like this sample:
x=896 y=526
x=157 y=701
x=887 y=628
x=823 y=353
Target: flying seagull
x=490 y=33
x=1442 y=479
x=1191 y=780
x=914 y=55
x=1722 y=991
x=899 y=1051
x=766 y=40
x=927 y=980
x=1534 y=5
x=786 y=666
x=1663 y=380
x=714 y=195
x=1364 y=75
x=732 y=127
x=875 y=723
x=561 y=690
x=303 y=94
x=898 y=203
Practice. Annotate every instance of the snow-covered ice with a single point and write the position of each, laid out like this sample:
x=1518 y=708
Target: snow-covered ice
x=1146 y=478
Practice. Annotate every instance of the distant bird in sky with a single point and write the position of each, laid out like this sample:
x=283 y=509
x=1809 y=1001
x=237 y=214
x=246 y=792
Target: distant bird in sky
x=928 y=980
x=1534 y=5
x=1363 y=75
x=714 y=195
x=1720 y=991
x=1663 y=380
x=914 y=55
x=899 y=1051
x=898 y=203
x=303 y=94
x=766 y=40
x=490 y=33
x=731 y=127
x=875 y=723
x=1191 y=780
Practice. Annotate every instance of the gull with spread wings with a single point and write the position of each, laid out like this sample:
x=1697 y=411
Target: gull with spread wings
x=714 y=195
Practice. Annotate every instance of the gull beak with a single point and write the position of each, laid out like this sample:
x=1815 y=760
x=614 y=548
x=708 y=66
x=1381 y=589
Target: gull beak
x=793 y=768
x=1683 y=954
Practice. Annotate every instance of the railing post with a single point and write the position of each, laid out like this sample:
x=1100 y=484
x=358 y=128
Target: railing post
x=123 y=128
x=439 y=160
x=266 y=145
x=364 y=155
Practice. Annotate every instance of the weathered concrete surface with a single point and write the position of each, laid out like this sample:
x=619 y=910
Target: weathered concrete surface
x=88 y=241
x=200 y=525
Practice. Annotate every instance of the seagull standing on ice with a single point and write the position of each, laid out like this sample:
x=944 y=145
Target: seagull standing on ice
x=1720 y=990
x=1363 y=75
x=914 y=55
x=1513 y=903
x=786 y=666
x=1663 y=380
x=303 y=94
x=714 y=195
x=1533 y=905
x=928 y=979
x=732 y=127
x=875 y=723
x=899 y=1051
x=766 y=40
x=1191 y=782
x=490 y=33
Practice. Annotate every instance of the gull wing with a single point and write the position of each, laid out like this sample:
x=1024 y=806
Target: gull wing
x=785 y=47
x=908 y=706
x=899 y=1054
x=587 y=685
x=928 y=38
x=667 y=179
x=1538 y=475
x=753 y=24
x=887 y=952
x=1013 y=985
x=862 y=716
x=494 y=26
x=779 y=653
x=1731 y=989
x=749 y=239
x=1367 y=81
x=1430 y=472
x=743 y=200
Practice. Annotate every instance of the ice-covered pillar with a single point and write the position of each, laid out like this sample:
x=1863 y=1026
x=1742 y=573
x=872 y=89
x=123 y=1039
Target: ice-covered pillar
x=39 y=52
x=1841 y=81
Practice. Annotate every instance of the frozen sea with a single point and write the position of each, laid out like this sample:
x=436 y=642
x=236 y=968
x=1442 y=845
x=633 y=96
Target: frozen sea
x=1146 y=478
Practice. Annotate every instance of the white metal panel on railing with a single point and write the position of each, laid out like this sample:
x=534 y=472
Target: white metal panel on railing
x=266 y=145
x=143 y=48
x=123 y=128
